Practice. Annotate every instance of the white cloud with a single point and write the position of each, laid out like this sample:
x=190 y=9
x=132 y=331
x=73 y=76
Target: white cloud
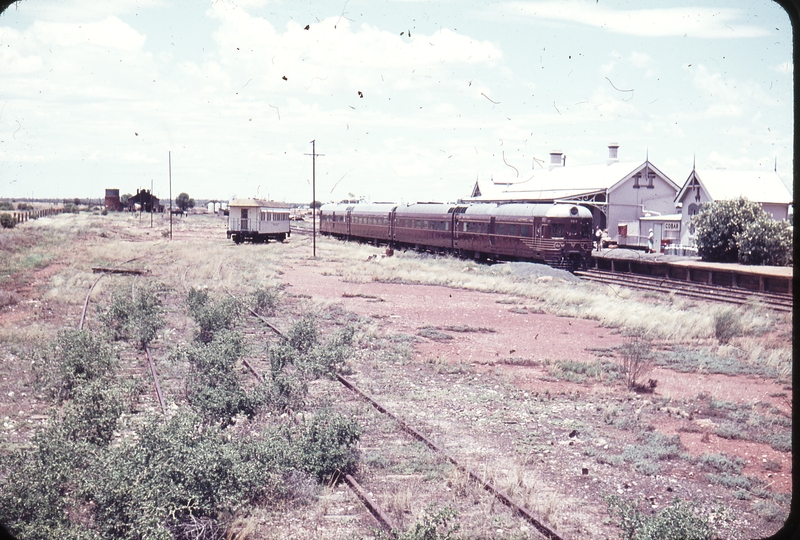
x=696 y=22
x=108 y=33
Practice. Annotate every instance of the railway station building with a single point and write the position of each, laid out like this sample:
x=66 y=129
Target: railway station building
x=618 y=193
x=704 y=186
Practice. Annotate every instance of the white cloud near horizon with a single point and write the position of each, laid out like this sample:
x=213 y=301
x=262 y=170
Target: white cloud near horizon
x=688 y=21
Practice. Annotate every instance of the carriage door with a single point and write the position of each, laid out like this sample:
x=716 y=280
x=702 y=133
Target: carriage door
x=244 y=219
x=491 y=230
x=392 y=224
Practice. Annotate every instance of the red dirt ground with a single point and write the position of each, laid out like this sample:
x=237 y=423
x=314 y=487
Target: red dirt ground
x=537 y=337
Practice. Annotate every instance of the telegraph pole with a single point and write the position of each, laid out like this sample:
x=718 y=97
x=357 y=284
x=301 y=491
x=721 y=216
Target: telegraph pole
x=314 y=155
x=170 y=194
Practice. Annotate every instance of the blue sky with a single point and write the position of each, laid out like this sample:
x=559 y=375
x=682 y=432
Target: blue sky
x=407 y=100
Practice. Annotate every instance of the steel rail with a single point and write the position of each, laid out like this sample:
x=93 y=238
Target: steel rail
x=374 y=509
x=155 y=379
x=543 y=529
x=782 y=303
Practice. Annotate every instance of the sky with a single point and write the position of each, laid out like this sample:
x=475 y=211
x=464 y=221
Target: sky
x=406 y=100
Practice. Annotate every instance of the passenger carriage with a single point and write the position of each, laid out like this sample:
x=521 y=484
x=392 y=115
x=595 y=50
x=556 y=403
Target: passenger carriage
x=258 y=221
x=558 y=234
x=424 y=226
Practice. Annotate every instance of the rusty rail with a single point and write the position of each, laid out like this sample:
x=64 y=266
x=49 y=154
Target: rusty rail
x=543 y=529
x=373 y=508
x=155 y=379
x=523 y=512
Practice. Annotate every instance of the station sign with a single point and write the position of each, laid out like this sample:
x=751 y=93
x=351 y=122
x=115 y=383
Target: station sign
x=672 y=225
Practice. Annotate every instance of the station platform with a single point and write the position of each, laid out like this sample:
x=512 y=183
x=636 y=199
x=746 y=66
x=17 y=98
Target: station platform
x=774 y=279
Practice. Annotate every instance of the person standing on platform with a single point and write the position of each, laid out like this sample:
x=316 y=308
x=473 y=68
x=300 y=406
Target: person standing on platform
x=599 y=235
x=650 y=242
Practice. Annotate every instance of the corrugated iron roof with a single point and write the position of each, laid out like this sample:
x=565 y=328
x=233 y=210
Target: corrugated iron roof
x=757 y=186
x=566 y=182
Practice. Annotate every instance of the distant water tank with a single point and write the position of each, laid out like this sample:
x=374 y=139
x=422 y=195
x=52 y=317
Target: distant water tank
x=112 y=201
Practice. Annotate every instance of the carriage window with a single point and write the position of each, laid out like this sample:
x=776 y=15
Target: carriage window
x=447 y=225
x=573 y=229
x=512 y=230
x=558 y=230
x=500 y=229
x=525 y=230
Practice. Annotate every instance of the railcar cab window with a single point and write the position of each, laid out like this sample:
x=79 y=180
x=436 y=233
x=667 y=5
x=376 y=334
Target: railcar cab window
x=557 y=230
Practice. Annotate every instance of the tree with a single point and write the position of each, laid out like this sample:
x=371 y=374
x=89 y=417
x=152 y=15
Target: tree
x=316 y=205
x=766 y=242
x=718 y=226
x=184 y=202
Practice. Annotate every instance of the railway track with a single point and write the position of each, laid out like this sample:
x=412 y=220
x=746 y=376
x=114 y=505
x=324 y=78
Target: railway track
x=778 y=302
x=381 y=516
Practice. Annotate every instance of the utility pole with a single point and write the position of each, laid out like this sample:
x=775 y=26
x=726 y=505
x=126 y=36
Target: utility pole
x=170 y=194
x=314 y=155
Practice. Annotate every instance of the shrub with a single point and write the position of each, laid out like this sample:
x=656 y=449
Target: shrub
x=678 y=521
x=720 y=225
x=327 y=446
x=74 y=358
x=5 y=205
x=7 y=221
x=766 y=241
x=95 y=409
x=265 y=301
x=433 y=525
x=38 y=488
x=138 y=319
x=303 y=335
x=24 y=206
x=214 y=387
x=211 y=316
x=174 y=472
x=727 y=324
x=637 y=358
x=722 y=463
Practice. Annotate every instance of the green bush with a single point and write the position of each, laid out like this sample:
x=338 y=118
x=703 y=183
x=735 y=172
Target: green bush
x=5 y=205
x=303 y=335
x=7 y=221
x=175 y=472
x=740 y=230
x=24 y=206
x=678 y=521
x=433 y=524
x=211 y=316
x=139 y=318
x=40 y=489
x=74 y=358
x=214 y=387
x=95 y=409
x=727 y=324
x=265 y=301
x=327 y=446
x=766 y=241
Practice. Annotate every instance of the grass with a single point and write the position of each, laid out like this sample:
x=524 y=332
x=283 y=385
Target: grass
x=209 y=260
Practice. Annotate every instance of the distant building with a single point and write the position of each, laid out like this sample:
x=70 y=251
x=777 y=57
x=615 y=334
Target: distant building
x=703 y=186
x=617 y=193
x=144 y=201
x=113 y=201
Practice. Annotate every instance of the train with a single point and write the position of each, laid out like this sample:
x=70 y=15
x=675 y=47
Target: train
x=558 y=234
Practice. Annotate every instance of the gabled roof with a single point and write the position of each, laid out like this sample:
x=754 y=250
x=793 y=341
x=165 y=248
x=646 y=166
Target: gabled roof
x=567 y=182
x=724 y=185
